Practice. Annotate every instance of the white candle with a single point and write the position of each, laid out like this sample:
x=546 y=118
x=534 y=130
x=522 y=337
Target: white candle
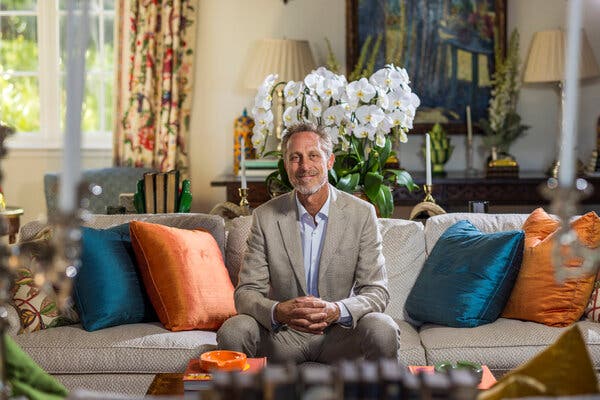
x=566 y=171
x=243 y=162
x=469 y=126
x=77 y=28
x=427 y=159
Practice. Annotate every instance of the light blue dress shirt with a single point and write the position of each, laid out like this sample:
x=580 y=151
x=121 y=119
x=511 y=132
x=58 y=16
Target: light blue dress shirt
x=312 y=234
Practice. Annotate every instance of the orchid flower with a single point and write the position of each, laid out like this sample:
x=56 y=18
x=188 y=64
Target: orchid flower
x=292 y=91
x=360 y=90
x=370 y=115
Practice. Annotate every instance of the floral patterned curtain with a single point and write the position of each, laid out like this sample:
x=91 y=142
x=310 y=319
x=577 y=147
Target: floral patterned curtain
x=154 y=83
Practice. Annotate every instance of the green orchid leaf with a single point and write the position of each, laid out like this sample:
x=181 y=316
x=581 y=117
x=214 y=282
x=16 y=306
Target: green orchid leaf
x=373 y=163
x=403 y=178
x=332 y=177
x=283 y=173
x=384 y=201
x=372 y=184
x=273 y=153
x=346 y=164
x=349 y=182
x=385 y=151
x=276 y=183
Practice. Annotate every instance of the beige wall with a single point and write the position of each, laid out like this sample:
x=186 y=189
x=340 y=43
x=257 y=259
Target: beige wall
x=228 y=30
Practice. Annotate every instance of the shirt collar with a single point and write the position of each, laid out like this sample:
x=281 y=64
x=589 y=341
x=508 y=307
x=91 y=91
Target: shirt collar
x=323 y=213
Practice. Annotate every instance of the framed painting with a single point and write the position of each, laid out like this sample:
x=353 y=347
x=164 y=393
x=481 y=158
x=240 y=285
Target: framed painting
x=447 y=47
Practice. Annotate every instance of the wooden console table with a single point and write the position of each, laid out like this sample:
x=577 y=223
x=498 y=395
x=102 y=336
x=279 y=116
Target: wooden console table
x=452 y=192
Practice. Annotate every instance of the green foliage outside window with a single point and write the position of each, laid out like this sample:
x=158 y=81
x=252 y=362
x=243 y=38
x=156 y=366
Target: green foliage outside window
x=20 y=105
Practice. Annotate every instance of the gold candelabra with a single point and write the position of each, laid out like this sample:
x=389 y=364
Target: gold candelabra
x=231 y=210
x=427 y=207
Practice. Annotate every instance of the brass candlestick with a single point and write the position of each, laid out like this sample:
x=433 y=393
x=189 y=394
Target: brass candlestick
x=427 y=207
x=244 y=198
x=229 y=210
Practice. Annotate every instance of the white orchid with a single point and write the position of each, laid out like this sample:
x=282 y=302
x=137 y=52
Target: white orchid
x=364 y=132
x=333 y=132
x=386 y=125
x=334 y=115
x=383 y=100
x=330 y=88
x=262 y=117
x=371 y=110
x=292 y=91
x=290 y=116
x=379 y=139
x=262 y=101
x=369 y=115
x=360 y=90
x=314 y=106
x=386 y=78
x=312 y=80
x=415 y=102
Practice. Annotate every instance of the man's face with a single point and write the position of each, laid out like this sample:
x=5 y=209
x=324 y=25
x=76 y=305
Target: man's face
x=306 y=164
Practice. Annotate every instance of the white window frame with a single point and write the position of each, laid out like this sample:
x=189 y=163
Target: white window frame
x=49 y=76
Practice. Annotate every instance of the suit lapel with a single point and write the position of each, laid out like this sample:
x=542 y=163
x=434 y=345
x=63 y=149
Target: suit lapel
x=336 y=226
x=290 y=234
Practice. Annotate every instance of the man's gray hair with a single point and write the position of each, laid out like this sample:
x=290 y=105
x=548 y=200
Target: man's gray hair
x=324 y=138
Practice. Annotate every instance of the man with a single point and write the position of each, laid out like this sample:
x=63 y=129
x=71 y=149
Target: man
x=313 y=284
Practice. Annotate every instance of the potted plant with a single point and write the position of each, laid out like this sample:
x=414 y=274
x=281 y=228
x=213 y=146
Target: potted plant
x=362 y=117
x=504 y=124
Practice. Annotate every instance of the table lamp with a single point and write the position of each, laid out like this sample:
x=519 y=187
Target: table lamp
x=290 y=59
x=546 y=63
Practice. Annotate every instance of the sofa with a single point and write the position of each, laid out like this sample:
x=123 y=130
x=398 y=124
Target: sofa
x=125 y=358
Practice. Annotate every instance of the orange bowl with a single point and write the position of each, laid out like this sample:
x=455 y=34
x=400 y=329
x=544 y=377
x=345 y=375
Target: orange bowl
x=222 y=360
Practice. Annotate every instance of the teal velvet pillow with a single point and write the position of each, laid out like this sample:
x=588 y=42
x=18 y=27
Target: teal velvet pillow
x=107 y=289
x=467 y=278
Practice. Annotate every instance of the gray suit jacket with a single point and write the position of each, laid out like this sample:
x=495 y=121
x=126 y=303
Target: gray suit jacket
x=352 y=267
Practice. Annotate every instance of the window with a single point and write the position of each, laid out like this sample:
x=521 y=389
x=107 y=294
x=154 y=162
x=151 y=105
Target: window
x=32 y=72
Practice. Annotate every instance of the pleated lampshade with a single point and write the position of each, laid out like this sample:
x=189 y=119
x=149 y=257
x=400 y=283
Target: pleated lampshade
x=292 y=60
x=546 y=59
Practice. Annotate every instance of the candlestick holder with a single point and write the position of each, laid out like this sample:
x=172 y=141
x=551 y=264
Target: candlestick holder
x=243 y=192
x=229 y=210
x=567 y=246
x=428 y=207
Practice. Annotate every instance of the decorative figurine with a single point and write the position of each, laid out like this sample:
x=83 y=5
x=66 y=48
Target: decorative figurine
x=441 y=149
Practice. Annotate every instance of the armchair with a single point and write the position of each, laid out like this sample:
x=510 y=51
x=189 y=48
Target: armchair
x=113 y=180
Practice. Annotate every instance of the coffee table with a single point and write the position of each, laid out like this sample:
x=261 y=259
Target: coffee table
x=171 y=384
x=166 y=384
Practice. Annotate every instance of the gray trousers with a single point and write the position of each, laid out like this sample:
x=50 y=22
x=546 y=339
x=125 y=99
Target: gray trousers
x=375 y=336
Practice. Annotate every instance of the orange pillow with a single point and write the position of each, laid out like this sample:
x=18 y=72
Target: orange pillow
x=184 y=276
x=536 y=296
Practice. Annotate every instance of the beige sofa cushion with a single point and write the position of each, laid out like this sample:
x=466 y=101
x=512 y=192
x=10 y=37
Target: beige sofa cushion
x=411 y=351
x=133 y=348
x=238 y=230
x=487 y=223
x=404 y=252
x=211 y=223
x=502 y=345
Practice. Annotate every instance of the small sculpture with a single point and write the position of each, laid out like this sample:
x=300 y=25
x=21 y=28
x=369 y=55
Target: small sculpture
x=441 y=149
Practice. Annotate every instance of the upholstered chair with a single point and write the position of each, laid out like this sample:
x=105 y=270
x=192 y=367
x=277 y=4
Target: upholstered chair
x=113 y=180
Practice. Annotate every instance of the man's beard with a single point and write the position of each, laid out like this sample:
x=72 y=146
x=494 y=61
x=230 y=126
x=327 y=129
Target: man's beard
x=307 y=191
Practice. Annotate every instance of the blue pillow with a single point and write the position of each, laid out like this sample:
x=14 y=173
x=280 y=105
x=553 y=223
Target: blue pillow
x=467 y=278
x=107 y=289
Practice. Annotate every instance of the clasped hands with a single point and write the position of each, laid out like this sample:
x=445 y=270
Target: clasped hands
x=307 y=314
